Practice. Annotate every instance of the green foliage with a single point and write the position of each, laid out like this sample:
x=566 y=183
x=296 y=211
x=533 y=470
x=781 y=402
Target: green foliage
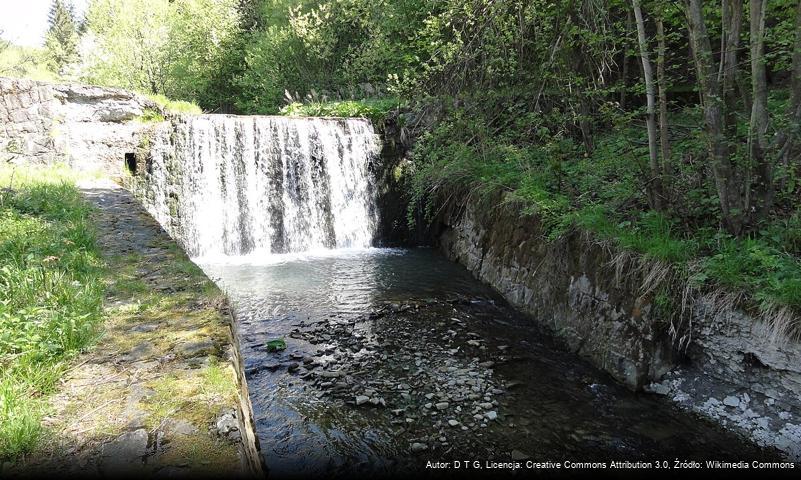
x=751 y=265
x=50 y=296
x=169 y=48
x=20 y=430
x=62 y=38
x=374 y=109
x=342 y=49
x=150 y=116
x=651 y=234
x=175 y=106
x=26 y=62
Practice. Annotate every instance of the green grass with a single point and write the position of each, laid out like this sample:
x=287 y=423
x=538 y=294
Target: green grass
x=652 y=234
x=374 y=109
x=150 y=116
x=769 y=275
x=51 y=294
x=176 y=106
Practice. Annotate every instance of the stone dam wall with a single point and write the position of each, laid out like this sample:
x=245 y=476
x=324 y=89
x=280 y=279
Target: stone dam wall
x=87 y=127
x=592 y=297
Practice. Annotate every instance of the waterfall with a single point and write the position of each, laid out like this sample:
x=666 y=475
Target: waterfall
x=236 y=185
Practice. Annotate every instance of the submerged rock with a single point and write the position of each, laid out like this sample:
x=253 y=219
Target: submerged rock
x=419 y=447
x=731 y=401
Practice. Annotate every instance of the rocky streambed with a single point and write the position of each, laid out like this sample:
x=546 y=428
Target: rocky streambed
x=434 y=378
x=395 y=359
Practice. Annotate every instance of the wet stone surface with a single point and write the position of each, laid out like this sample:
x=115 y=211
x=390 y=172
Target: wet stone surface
x=431 y=382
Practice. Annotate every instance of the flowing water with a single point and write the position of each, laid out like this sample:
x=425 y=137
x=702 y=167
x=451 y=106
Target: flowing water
x=394 y=357
x=232 y=185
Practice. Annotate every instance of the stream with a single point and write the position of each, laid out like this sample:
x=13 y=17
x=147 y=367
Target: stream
x=398 y=357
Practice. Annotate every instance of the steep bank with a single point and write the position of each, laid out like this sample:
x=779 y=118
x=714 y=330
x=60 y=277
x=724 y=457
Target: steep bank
x=605 y=305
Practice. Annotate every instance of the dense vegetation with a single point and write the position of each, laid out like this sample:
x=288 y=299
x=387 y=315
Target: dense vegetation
x=50 y=296
x=671 y=128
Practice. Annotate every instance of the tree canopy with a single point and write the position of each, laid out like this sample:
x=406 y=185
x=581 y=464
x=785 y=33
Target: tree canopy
x=61 y=40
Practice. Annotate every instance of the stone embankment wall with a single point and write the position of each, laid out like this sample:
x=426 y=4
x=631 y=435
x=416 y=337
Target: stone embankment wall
x=570 y=286
x=593 y=298
x=89 y=128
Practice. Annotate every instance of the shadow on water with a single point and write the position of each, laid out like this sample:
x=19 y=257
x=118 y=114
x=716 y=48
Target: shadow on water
x=397 y=357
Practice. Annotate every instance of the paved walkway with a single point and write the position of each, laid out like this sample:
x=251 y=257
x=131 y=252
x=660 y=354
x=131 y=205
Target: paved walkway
x=158 y=394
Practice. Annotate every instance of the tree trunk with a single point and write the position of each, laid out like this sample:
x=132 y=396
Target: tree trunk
x=795 y=82
x=762 y=185
x=664 y=139
x=655 y=183
x=729 y=195
x=789 y=137
x=732 y=16
x=625 y=72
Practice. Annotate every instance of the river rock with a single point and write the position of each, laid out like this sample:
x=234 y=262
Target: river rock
x=419 y=447
x=126 y=450
x=196 y=349
x=146 y=327
x=227 y=423
x=731 y=401
x=518 y=455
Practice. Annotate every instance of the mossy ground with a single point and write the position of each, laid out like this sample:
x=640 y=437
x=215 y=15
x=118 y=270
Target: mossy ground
x=161 y=361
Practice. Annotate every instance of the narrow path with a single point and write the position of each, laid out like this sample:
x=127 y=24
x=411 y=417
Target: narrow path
x=158 y=393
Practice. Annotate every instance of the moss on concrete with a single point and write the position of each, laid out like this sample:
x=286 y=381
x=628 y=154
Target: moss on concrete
x=163 y=359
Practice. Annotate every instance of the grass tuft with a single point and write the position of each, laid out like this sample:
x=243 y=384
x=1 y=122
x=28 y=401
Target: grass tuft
x=50 y=295
x=176 y=106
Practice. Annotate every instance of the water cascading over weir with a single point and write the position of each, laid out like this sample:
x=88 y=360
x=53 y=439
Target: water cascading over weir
x=257 y=185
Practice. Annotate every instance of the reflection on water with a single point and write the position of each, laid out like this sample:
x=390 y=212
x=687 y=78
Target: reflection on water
x=552 y=404
x=281 y=288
